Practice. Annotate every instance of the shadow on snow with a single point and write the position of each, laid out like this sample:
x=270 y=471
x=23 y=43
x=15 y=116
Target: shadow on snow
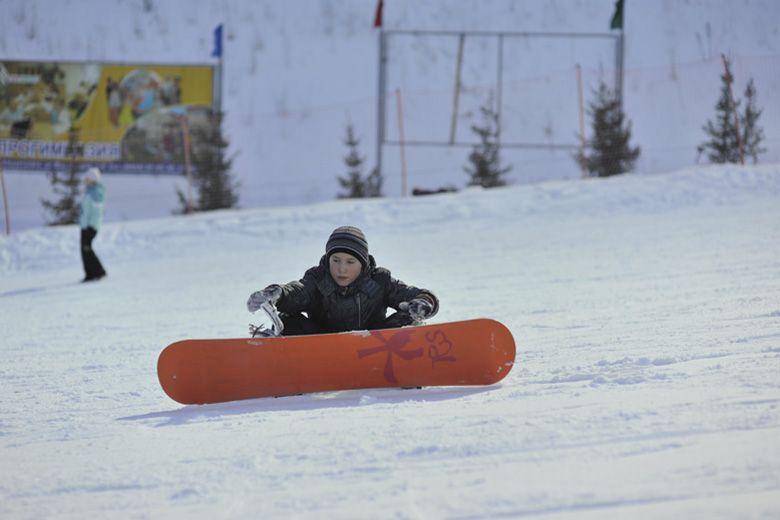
x=322 y=401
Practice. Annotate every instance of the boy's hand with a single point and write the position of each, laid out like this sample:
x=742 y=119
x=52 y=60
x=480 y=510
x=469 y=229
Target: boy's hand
x=270 y=294
x=419 y=309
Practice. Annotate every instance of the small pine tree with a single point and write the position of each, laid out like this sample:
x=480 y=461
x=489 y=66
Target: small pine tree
x=486 y=170
x=65 y=208
x=211 y=175
x=374 y=183
x=723 y=145
x=610 y=152
x=733 y=138
x=753 y=134
x=354 y=185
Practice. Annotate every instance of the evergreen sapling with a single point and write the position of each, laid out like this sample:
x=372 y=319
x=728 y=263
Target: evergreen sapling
x=355 y=186
x=723 y=145
x=211 y=175
x=753 y=135
x=733 y=136
x=65 y=209
x=485 y=169
x=610 y=151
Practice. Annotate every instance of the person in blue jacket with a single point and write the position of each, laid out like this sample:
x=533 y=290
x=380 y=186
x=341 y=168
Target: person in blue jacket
x=89 y=220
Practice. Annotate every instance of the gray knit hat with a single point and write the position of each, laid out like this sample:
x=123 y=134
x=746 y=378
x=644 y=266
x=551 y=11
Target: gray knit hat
x=348 y=239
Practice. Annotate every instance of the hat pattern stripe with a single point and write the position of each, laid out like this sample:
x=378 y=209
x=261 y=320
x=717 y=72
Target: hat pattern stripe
x=347 y=236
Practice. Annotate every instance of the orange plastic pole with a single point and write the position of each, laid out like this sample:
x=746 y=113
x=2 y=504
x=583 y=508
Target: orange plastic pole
x=401 y=136
x=5 y=200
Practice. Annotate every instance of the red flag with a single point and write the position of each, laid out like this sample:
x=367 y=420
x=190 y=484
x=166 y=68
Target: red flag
x=378 y=15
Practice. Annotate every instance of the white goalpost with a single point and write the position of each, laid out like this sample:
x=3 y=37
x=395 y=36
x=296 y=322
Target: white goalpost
x=444 y=76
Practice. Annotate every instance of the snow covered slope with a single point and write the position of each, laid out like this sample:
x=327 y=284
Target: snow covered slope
x=645 y=310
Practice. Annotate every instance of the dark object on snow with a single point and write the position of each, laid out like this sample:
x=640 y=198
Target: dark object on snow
x=417 y=192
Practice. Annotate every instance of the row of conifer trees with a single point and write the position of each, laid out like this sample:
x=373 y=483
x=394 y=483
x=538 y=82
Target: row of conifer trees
x=732 y=137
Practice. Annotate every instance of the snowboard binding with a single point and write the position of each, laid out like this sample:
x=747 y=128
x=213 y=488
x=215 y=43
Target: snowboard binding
x=264 y=331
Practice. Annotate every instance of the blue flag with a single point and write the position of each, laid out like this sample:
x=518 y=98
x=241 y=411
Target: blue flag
x=217 y=52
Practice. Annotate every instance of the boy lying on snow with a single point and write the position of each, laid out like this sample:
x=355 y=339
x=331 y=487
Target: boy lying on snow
x=346 y=291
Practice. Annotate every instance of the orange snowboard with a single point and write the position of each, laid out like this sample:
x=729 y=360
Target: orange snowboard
x=473 y=352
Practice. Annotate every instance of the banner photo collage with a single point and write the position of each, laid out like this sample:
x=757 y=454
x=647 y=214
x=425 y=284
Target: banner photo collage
x=129 y=117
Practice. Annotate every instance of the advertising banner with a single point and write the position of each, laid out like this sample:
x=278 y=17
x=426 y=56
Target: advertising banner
x=130 y=117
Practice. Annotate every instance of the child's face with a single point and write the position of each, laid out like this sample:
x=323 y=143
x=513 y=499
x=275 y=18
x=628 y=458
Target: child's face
x=344 y=268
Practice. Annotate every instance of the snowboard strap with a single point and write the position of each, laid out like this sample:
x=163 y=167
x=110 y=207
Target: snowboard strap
x=277 y=326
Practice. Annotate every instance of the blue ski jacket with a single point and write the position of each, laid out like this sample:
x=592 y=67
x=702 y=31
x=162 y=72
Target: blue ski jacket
x=92 y=206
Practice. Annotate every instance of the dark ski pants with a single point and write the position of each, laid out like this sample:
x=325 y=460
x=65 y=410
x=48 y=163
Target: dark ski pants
x=93 y=269
x=300 y=325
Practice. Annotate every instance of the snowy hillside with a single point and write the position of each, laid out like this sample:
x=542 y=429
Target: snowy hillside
x=296 y=72
x=645 y=310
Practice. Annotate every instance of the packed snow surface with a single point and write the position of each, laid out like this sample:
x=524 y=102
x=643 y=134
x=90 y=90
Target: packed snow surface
x=646 y=385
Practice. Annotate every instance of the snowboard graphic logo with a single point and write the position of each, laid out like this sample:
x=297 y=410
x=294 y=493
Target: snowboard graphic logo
x=439 y=348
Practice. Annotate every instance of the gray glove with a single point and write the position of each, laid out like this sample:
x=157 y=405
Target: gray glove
x=270 y=294
x=419 y=309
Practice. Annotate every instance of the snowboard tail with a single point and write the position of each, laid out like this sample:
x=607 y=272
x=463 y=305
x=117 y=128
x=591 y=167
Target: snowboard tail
x=473 y=352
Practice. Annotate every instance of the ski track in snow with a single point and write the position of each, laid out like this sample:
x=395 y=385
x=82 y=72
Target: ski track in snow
x=645 y=310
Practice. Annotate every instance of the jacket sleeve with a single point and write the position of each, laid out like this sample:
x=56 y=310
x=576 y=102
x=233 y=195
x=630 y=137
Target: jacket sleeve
x=299 y=295
x=83 y=216
x=397 y=291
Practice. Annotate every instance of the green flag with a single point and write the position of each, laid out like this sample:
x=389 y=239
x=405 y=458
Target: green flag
x=617 y=18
